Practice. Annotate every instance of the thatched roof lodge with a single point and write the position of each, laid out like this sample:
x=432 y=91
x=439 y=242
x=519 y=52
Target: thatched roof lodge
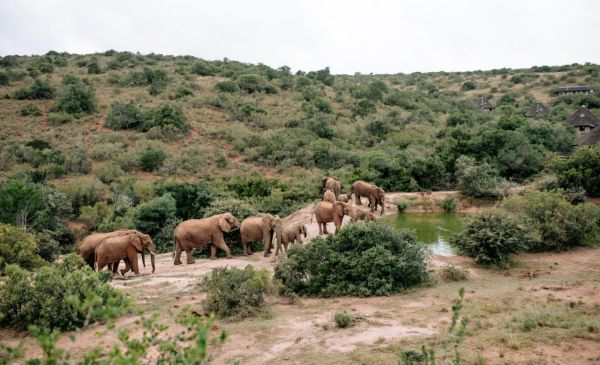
x=485 y=105
x=570 y=90
x=587 y=125
x=536 y=110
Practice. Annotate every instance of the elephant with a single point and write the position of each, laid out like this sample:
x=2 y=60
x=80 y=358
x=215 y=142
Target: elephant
x=375 y=194
x=261 y=227
x=329 y=196
x=345 y=197
x=363 y=214
x=202 y=232
x=293 y=233
x=331 y=183
x=88 y=245
x=332 y=212
x=114 y=249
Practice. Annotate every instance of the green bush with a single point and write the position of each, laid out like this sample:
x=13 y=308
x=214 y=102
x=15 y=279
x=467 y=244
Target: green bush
x=151 y=216
x=468 y=85
x=343 y=319
x=477 y=179
x=48 y=246
x=582 y=169
x=164 y=116
x=31 y=110
x=363 y=259
x=363 y=108
x=4 y=80
x=228 y=86
x=123 y=116
x=251 y=83
x=78 y=162
x=83 y=191
x=93 y=68
x=402 y=206
x=253 y=186
x=204 y=68
x=491 y=237
x=238 y=293
x=107 y=172
x=191 y=199
x=557 y=224
x=182 y=91
x=92 y=216
x=56 y=119
x=76 y=99
x=39 y=90
x=65 y=295
x=152 y=160
x=19 y=247
x=453 y=273
x=448 y=204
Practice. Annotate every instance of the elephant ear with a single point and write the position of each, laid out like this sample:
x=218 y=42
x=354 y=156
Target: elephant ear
x=224 y=224
x=135 y=240
x=303 y=230
x=338 y=208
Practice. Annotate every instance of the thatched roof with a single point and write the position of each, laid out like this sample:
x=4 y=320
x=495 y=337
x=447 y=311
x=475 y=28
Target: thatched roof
x=583 y=117
x=484 y=104
x=537 y=109
x=591 y=138
x=572 y=89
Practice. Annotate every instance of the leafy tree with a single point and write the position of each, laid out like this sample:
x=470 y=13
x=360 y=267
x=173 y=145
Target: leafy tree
x=123 y=116
x=150 y=217
x=191 y=199
x=19 y=247
x=77 y=99
x=164 y=116
x=363 y=108
x=152 y=160
x=582 y=169
x=20 y=202
x=228 y=86
x=39 y=90
x=468 y=85
x=251 y=83
x=477 y=179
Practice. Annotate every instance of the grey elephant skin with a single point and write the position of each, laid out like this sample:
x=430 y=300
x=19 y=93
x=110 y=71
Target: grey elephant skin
x=195 y=233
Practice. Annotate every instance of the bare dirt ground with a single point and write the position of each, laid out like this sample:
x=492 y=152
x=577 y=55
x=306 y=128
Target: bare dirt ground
x=554 y=284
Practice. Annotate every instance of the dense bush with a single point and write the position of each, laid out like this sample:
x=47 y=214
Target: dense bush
x=228 y=86
x=468 y=85
x=582 y=169
x=18 y=247
x=151 y=216
x=477 y=179
x=363 y=108
x=343 y=319
x=76 y=99
x=30 y=110
x=191 y=199
x=251 y=83
x=39 y=90
x=123 y=116
x=56 y=119
x=83 y=191
x=556 y=224
x=107 y=172
x=77 y=161
x=152 y=160
x=164 y=116
x=364 y=259
x=491 y=237
x=239 y=293
x=65 y=295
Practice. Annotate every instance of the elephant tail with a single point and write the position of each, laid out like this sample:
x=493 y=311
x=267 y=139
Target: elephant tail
x=175 y=244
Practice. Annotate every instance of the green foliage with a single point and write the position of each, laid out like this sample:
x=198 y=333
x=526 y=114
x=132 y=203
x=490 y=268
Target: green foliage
x=65 y=295
x=191 y=199
x=164 y=116
x=76 y=99
x=48 y=246
x=182 y=91
x=163 y=240
x=477 y=179
x=454 y=273
x=468 y=85
x=239 y=293
x=252 y=186
x=343 y=319
x=402 y=206
x=39 y=90
x=18 y=247
x=93 y=68
x=362 y=108
x=228 y=86
x=20 y=201
x=491 y=237
x=30 y=110
x=364 y=259
x=92 y=216
x=557 y=224
x=151 y=216
x=83 y=191
x=448 y=204
x=238 y=208
x=152 y=160
x=580 y=170
x=77 y=161
x=123 y=116
x=204 y=68
x=56 y=119
x=108 y=172
x=4 y=80
x=251 y=83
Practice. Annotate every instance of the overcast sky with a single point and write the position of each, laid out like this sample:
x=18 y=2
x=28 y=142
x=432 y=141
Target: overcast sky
x=346 y=35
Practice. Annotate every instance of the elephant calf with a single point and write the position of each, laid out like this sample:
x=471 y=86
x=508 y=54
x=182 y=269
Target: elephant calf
x=326 y=212
x=293 y=233
x=261 y=227
x=329 y=196
x=345 y=197
x=363 y=214
x=114 y=249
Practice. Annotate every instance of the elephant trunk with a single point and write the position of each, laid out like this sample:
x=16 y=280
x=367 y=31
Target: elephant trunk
x=143 y=259
x=382 y=204
x=279 y=233
x=152 y=251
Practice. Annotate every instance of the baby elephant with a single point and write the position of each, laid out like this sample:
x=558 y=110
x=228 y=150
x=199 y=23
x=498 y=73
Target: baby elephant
x=291 y=234
x=363 y=214
x=345 y=197
x=114 y=249
x=329 y=196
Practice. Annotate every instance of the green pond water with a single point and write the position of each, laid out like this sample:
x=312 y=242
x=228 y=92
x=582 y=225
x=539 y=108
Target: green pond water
x=431 y=229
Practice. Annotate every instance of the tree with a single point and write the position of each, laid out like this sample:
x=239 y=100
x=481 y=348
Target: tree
x=363 y=108
x=77 y=99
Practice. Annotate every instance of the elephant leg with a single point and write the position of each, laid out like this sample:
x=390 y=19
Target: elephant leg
x=325 y=228
x=189 y=257
x=113 y=266
x=127 y=266
x=372 y=204
x=132 y=257
x=177 y=253
x=100 y=265
x=246 y=248
x=358 y=201
x=219 y=242
x=320 y=228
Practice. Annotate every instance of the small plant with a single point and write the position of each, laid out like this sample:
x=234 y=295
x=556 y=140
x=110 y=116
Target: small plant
x=402 y=206
x=56 y=119
x=152 y=160
x=448 y=204
x=233 y=292
x=31 y=110
x=343 y=319
x=453 y=273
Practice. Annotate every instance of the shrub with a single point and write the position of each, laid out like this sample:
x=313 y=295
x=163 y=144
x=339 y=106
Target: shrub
x=93 y=68
x=56 y=119
x=152 y=160
x=64 y=295
x=30 y=110
x=468 y=85
x=204 y=68
x=76 y=99
x=364 y=259
x=4 y=80
x=164 y=116
x=582 y=169
x=228 y=86
x=18 y=247
x=77 y=161
x=151 y=216
x=251 y=83
x=402 y=206
x=48 y=247
x=477 y=179
x=557 y=224
x=123 y=116
x=39 y=90
x=182 y=91
x=363 y=108
x=83 y=191
x=343 y=319
x=92 y=216
x=252 y=186
x=448 y=204
x=20 y=201
x=491 y=237
x=239 y=293
x=191 y=199
x=163 y=240
x=107 y=172
x=453 y=273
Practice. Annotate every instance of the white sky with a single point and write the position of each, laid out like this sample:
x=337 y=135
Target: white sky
x=346 y=35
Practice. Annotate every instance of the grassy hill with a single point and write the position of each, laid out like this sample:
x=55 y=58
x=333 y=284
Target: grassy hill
x=122 y=121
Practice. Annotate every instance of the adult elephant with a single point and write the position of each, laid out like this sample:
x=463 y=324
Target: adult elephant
x=87 y=247
x=293 y=233
x=375 y=194
x=258 y=228
x=329 y=196
x=326 y=212
x=195 y=233
x=114 y=249
x=332 y=183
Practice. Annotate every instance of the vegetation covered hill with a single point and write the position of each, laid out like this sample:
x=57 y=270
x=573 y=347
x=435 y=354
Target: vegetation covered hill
x=116 y=130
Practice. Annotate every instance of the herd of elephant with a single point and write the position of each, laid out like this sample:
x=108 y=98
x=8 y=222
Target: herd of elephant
x=101 y=250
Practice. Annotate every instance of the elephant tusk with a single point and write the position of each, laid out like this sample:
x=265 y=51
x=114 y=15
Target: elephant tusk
x=152 y=253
